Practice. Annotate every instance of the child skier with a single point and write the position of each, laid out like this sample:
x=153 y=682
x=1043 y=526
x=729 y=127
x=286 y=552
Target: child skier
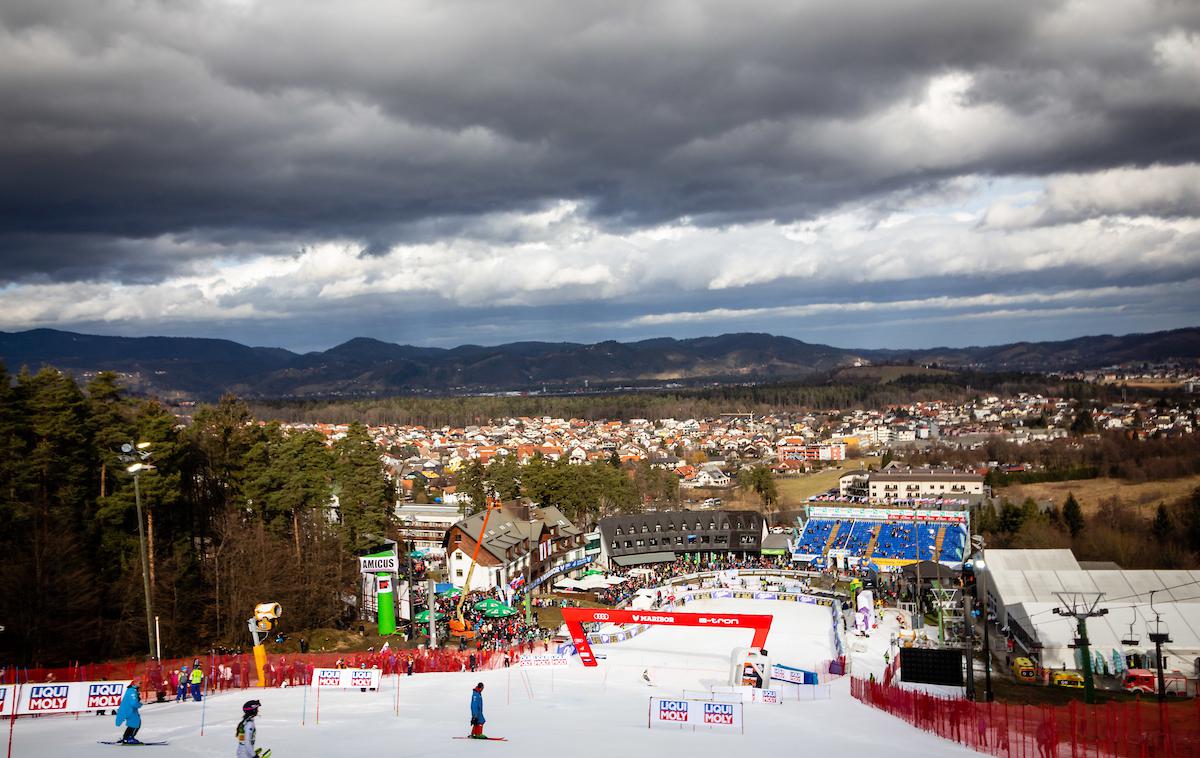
x=127 y=714
x=247 y=732
x=197 y=679
x=181 y=691
x=477 y=719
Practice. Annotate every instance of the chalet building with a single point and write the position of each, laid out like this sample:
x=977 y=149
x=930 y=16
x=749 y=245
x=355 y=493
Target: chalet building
x=521 y=541
x=666 y=535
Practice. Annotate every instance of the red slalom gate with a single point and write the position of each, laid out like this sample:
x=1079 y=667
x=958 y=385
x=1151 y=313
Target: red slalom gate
x=1112 y=730
x=575 y=618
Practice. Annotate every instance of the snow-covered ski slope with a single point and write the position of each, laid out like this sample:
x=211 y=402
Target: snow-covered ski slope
x=572 y=711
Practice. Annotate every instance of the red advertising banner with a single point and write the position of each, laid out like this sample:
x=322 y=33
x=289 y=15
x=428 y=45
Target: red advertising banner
x=575 y=618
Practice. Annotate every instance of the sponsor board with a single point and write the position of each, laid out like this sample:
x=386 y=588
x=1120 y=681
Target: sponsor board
x=105 y=695
x=345 y=679
x=543 y=659
x=719 y=713
x=569 y=565
x=792 y=675
x=769 y=696
x=702 y=714
x=387 y=564
x=720 y=621
x=886 y=514
x=65 y=697
x=46 y=698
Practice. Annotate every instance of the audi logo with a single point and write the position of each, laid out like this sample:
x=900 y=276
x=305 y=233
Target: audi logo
x=600 y=617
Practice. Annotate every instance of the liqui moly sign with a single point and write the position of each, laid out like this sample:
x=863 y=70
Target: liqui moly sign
x=719 y=713
x=698 y=714
x=346 y=678
x=673 y=710
x=65 y=697
x=105 y=695
x=327 y=678
x=47 y=698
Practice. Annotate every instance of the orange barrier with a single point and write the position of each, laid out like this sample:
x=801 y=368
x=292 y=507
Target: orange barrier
x=236 y=671
x=1125 y=730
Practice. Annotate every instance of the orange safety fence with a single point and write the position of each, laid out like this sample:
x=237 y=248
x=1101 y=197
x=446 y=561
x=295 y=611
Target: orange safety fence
x=236 y=671
x=1126 y=730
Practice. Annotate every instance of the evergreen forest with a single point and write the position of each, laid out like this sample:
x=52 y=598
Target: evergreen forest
x=237 y=513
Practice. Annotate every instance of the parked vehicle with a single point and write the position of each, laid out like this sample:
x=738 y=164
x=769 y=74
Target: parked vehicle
x=1072 y=679
x=1025 y=671
x=1145 y=682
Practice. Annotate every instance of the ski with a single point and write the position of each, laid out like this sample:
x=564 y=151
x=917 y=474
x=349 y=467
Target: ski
x=481 y=739
x=131 y=744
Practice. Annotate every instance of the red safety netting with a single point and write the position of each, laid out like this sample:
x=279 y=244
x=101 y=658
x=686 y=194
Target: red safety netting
x=1133 y=729
x=222 y=672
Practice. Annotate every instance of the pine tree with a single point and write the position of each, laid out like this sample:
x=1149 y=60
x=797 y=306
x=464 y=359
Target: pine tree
x=1162 y=528
x=472 y=484
x=1192 y=520
x=1072 y=515
x=365 y=500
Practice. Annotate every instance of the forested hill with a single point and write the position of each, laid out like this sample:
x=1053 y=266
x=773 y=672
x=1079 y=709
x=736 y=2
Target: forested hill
x=175 y=367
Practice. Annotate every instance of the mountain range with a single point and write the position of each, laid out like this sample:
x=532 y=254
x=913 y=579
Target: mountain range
x=188 y=367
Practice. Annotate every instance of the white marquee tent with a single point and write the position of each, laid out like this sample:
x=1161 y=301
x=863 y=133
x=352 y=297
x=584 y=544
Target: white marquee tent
x=1023 y=585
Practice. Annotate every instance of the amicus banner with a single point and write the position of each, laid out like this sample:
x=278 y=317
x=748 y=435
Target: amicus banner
x=379 y=564
x=345 y=678
x=703 y=714
x=64 y=697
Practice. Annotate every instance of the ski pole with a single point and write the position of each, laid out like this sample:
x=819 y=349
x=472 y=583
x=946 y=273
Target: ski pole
x=13 y=719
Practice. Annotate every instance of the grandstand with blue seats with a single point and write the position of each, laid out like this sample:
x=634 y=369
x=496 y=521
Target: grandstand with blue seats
x=888 y=538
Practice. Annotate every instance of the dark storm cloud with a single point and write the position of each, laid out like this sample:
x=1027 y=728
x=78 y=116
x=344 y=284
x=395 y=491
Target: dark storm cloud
x=140 y=137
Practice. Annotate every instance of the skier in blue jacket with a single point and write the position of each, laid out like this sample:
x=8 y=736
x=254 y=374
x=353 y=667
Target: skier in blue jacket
x=477 y=719
x=127 y=714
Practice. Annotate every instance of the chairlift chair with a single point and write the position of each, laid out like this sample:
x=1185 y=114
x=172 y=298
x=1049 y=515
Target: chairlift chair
x=1130 y=639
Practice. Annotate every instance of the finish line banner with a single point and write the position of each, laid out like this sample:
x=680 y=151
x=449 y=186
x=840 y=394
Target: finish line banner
x=65 y=697
x=345 y=679
x=698 y=714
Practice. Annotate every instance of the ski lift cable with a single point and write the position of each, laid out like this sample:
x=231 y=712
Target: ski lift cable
x=1137 y=595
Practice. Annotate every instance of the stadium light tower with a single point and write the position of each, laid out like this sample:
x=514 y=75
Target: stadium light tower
x=137 y=456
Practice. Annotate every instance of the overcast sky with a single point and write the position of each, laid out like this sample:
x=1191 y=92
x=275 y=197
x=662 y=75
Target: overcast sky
x=860 y=173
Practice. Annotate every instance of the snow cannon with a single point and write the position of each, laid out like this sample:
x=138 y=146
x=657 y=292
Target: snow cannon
x=263 y=621
x=266 y=614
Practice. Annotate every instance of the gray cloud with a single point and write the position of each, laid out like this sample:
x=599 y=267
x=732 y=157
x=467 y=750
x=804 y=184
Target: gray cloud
x=152 y=142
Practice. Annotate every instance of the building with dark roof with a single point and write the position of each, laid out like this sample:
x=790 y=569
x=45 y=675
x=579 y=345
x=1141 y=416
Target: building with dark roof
x=666 y=535
x=521 y=542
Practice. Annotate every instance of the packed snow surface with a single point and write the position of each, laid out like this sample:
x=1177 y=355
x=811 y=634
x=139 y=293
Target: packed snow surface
x=573 y=711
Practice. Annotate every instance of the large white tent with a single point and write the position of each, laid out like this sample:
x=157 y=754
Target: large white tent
x=1024 y=587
